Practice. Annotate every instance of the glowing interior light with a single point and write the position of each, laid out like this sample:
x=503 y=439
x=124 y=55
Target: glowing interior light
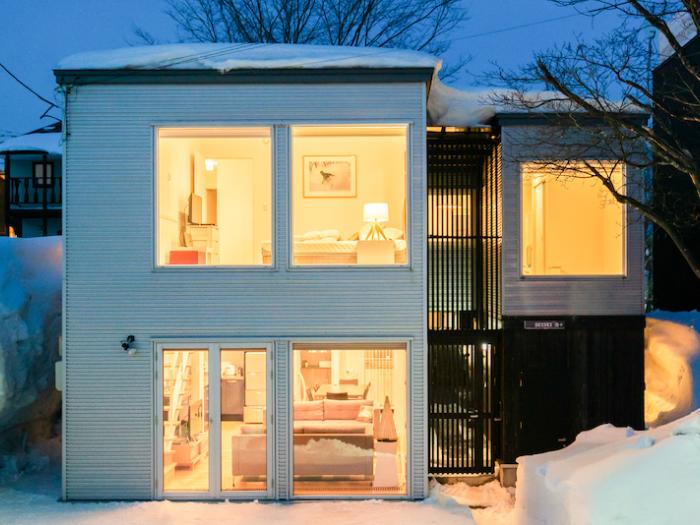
x=210 y=164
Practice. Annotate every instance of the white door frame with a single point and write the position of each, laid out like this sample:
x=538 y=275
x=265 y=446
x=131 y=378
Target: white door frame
x=213 y=348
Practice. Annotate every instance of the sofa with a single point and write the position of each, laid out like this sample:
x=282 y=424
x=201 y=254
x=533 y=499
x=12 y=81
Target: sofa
x=331 y=438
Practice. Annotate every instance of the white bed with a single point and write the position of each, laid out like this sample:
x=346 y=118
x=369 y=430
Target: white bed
x=323 y=252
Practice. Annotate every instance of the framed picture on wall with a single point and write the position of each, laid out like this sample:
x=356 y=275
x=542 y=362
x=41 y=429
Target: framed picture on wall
x=330 y=176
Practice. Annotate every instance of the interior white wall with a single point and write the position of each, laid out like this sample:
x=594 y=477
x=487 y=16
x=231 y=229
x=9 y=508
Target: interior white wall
x=572 y=225
x=380 y=163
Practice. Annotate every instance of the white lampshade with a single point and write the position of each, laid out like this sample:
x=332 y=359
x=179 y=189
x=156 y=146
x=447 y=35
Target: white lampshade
x=210 y=164
x=376 y=212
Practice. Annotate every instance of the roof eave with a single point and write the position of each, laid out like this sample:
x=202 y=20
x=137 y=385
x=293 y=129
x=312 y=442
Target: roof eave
x=546 y=118
x=68 y=77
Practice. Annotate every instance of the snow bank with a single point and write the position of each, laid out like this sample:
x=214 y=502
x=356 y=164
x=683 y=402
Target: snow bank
x=30 y=324
x=39 y=142
x=491 y=504
x=672 y=366
x=227 y=57
x=613 y=475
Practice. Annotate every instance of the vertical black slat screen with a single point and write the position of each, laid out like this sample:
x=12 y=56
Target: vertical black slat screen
x=464 y=316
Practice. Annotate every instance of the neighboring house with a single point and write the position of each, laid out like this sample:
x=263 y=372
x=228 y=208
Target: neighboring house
x=674 y=285
x=318 y=295
x=32 y=189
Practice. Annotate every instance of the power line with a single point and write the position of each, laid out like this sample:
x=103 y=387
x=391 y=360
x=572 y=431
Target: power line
x=25 y=86
x=520 y=26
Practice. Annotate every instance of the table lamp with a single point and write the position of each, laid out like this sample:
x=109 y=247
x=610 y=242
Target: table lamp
x=376 y=213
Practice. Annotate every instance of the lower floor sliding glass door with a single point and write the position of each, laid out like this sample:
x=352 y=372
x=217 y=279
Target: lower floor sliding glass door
x=213 y=437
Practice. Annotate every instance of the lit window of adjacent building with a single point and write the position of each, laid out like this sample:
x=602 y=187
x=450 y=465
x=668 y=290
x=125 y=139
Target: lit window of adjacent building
x=571 y=225
x=214 y=197
x=349 y=195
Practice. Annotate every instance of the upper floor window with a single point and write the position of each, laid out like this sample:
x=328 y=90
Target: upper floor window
x=571 y=225
x=214 y=195
x=349 y=195
x=43 y=173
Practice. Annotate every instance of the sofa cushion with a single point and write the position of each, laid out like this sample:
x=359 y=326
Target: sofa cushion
x=332 y=427
x=343 y=408
x=308 y=410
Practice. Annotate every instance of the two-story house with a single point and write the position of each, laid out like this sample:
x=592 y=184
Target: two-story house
x=279 y=283
x=32 y=183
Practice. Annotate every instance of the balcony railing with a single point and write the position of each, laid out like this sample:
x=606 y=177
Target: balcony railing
x=24 y=192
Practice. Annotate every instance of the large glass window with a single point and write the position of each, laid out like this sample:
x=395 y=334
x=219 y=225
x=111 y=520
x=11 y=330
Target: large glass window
x=243 y=419
x=214 y=196
x=571 y=225
x=185 y=420
x=349 y=419
x=349 y=195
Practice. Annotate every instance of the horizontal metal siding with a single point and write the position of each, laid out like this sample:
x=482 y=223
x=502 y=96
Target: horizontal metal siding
x=111 y=289
x=551 y=296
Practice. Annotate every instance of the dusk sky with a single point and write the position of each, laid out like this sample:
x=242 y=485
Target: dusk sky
x=36 y=34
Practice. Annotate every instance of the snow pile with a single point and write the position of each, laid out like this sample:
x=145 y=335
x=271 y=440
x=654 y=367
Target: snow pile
x=39 y=142
x=30 y=324
x=227 y=57
x=672 y=366
x=491 y=504
x=614 y=475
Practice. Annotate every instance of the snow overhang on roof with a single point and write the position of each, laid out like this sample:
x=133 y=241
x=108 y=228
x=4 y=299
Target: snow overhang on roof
x=245 y=63
x=450 y=107
x=40 y=141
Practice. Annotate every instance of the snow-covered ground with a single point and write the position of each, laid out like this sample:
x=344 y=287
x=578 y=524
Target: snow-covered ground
x=33 y=500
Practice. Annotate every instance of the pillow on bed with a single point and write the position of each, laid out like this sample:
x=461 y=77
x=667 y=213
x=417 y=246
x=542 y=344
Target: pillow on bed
x=393 y=233
x=318 y=235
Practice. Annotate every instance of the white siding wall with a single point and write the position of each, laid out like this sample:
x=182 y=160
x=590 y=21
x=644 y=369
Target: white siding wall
x=561 y=296
x=112 y=288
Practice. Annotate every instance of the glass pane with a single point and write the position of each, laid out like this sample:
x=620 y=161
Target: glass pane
x=185 y=421
x=349 y=419
x=571 y=225
x=214 y=196
x=349 y=195
x=243 y=420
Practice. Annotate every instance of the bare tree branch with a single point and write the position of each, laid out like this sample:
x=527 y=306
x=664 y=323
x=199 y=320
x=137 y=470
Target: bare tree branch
x=608 y=80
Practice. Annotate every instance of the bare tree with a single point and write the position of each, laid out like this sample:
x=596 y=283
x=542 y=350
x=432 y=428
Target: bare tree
x=422 y=25
x=596 y=87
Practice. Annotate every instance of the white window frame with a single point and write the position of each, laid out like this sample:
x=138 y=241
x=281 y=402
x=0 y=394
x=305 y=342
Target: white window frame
x=408 y=233
x=157 y=267
x=359 y=342
x=213 y=347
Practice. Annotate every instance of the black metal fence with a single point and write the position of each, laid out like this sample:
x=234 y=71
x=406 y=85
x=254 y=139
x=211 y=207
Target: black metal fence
x=24 y=191
x=464 y=321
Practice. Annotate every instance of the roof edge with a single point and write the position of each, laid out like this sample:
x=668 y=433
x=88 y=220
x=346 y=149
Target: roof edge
x=543 y=118
x=66 y=77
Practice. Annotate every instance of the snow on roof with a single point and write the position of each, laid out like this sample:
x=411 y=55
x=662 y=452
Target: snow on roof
x=39 y=142
x=448 y=106
x=227 y=57
x=467 y=108
x=683 y=29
